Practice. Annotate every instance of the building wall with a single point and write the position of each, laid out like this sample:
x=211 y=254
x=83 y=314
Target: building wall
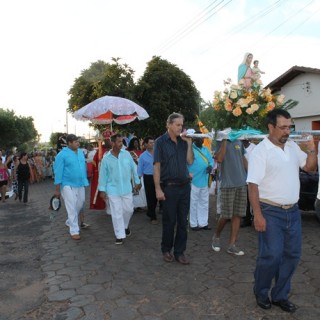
x=304 y=123
x=305 y=89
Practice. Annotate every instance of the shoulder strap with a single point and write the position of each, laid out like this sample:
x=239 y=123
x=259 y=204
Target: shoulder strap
x=201 y=154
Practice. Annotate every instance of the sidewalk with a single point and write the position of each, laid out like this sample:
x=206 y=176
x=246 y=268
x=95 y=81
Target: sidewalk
x=45 y=274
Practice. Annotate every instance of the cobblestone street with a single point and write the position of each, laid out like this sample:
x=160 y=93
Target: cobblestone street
x=45 y=274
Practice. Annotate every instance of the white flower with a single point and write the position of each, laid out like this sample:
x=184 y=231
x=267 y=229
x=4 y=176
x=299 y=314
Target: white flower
x=280 y=99
x=254 y=107
x=233 y=94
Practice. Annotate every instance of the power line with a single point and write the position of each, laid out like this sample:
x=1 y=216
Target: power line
x=294 y=29
x=264 y=12
x=194 y=26
x=267 y=34
x=187 y=25
x=284 y=22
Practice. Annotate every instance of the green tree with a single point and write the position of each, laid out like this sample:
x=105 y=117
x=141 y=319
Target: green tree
x=53 y=141
x=207 y=117
x=163 y=89
x=16 y=131
x=101 y=79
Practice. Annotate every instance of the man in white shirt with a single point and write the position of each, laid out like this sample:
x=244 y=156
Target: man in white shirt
x=273 y=178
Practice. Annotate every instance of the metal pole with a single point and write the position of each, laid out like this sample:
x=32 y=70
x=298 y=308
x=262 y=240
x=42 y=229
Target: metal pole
x=67 y=126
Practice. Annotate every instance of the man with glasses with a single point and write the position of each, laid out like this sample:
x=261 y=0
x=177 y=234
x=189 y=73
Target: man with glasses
x=273 y=178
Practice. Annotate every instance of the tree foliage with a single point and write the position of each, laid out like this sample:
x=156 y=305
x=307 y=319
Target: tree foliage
x=163 y=89
x=101 y=79
x=207 y=117
x=16 y=130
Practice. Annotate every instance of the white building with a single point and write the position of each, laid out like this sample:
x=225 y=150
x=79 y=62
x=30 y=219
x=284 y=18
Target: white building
x=301 y=84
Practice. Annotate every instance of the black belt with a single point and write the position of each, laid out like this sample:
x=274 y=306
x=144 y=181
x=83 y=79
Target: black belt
x=176 y=184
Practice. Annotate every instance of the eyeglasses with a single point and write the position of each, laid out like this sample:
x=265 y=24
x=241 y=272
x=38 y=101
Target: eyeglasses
x=284 y=128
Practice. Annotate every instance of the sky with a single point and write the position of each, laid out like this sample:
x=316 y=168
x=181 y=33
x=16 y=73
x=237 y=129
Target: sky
x=45 y=44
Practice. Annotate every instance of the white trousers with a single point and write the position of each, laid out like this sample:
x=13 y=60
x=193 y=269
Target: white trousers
x=199 y=206
x=74 y=198
x=121 y=208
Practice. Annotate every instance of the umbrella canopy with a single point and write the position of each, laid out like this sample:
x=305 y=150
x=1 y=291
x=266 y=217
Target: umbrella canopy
x=106 y=109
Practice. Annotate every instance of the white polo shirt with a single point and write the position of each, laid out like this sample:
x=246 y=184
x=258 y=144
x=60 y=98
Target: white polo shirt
x=276 y=171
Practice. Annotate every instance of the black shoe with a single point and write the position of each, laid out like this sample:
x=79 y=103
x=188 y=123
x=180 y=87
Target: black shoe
x=285 y=305
x=195 y=228
x=263 y=303
x=119 y=241
x=205 y=228
x=128 y=232
x=245 y=223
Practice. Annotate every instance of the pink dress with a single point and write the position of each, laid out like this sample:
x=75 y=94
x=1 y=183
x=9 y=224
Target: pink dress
x=248 y=78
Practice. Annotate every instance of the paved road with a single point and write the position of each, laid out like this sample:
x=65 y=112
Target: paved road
x=46 y=275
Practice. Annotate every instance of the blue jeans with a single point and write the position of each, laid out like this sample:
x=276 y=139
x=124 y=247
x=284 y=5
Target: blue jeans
x=279 y=251
x=175 y=215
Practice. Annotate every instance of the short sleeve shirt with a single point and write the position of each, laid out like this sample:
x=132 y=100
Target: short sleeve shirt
x=172 y=157
x=233 y=173
x=276 y=171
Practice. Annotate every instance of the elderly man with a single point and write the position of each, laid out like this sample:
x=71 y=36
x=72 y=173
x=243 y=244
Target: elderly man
x=273 y=177
x=172 y=153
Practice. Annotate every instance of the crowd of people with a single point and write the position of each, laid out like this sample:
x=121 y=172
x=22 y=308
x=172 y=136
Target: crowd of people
x=257 y=184
x=19 y=169
x=176 y=171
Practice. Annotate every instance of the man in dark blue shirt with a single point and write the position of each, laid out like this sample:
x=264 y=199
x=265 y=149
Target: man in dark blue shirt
x=172 y=152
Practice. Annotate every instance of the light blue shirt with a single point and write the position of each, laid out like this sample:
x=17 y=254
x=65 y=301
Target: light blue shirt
x=115 y=174
x=145 y=164
x=70 y=168
x=198 y=168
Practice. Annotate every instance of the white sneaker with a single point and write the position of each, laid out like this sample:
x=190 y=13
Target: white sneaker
x=234 y=250
x=216 y=244
x=84 y=225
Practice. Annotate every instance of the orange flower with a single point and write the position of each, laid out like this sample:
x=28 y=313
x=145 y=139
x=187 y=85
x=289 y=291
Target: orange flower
x=237 y=103
x=249 y=111
x=237 y=112
x=269 y=98
x=228 y=104
x=270 y=106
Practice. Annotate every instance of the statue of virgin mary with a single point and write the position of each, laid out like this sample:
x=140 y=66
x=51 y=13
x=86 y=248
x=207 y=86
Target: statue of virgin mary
x=244 y=71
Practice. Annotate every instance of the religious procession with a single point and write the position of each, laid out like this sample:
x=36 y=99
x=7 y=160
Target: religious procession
x=255 y=167
x=249 y=161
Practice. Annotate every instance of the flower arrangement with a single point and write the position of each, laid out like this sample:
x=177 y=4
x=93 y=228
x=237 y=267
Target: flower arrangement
x=240 y=107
